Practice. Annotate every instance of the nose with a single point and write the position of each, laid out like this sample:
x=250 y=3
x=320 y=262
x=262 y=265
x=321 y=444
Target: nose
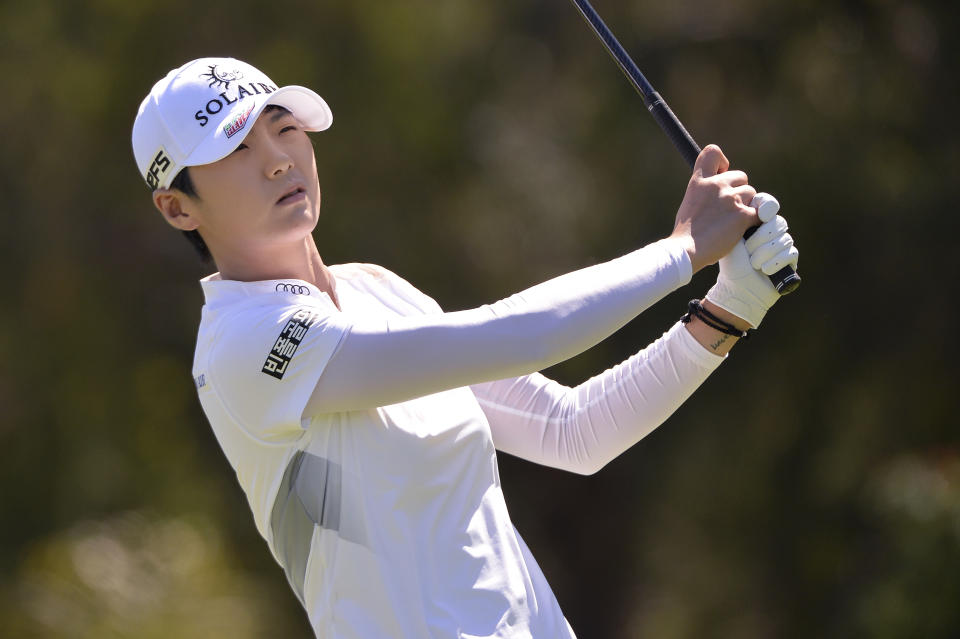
x=278 y=161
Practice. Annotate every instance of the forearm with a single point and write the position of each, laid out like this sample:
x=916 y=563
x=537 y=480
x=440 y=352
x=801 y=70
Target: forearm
x=390 y=360
x=581 y=429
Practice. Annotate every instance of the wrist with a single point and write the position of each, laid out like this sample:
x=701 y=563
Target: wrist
x=736 y=301
x=725 y=315
x=713 y=333
x=681 y=237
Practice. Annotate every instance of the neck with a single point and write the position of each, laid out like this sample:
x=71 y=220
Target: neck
x=301 y=262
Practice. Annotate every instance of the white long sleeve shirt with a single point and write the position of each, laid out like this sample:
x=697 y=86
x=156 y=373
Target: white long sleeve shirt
x=365 y=438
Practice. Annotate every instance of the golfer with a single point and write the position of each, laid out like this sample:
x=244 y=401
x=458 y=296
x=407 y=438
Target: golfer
x=361 y=419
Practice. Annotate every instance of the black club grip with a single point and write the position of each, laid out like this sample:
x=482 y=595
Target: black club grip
x=673 y=128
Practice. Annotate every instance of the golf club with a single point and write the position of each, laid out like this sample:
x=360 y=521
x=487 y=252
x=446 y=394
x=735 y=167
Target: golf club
x=786 y=280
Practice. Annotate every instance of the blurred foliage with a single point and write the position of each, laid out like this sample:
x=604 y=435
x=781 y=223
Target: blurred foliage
x=810 y=488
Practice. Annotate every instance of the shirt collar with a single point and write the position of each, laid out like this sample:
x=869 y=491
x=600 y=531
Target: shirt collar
x=218 y=291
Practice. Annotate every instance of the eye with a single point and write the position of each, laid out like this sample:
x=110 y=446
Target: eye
x=241 y=146
x=289 y=127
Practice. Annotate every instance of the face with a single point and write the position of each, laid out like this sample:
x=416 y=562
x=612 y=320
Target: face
x=263 y=195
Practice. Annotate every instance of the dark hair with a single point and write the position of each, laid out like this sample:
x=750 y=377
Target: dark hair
x=184 y=184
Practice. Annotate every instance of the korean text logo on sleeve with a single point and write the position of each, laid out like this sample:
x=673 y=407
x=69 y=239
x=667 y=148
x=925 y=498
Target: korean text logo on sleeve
x=287 y=342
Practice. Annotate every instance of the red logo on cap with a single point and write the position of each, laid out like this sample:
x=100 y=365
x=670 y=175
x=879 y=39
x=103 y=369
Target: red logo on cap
x=234 y=125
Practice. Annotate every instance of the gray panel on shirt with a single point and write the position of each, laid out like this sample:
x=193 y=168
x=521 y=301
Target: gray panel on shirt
x=310 y=495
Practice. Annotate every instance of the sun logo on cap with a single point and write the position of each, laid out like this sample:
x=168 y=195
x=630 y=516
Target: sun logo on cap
x=221 y=78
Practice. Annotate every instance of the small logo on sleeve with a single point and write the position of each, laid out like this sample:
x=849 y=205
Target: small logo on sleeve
x=287 y=342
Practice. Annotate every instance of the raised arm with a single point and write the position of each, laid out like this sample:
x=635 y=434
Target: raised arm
x=390 y=360
x=387 y=361
x=581 y=429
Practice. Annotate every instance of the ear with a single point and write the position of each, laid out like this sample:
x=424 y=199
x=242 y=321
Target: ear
x=170 y=204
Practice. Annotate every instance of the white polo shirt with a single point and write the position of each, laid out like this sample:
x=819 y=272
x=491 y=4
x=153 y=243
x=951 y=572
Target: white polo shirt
x=388 y=521
x=379 y=495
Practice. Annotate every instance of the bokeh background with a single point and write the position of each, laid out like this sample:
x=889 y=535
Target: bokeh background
x=810 y=488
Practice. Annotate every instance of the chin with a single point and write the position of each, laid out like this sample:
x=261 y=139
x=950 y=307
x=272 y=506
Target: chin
x=301 y=223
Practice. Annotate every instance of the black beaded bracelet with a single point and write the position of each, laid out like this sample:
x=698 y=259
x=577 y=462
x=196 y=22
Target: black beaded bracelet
x=696 y=309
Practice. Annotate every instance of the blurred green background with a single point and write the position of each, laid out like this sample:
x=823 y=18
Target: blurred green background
x=810 y=488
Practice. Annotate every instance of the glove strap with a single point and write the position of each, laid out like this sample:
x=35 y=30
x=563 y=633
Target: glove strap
x=696 y=309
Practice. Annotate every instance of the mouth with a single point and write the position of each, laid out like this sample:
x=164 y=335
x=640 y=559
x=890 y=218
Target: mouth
x=295 y=194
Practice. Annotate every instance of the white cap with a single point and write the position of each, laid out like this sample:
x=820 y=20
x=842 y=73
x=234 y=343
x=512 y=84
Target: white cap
x=199 y=113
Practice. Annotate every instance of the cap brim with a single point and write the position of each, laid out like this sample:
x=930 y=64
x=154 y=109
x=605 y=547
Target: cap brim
x=309 y=108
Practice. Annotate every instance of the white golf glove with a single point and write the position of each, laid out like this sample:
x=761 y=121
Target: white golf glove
x=743 y=287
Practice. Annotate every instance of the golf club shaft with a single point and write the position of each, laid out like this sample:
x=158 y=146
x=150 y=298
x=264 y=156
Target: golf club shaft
x=786 y=280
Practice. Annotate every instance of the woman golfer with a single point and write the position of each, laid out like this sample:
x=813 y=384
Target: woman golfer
x=361 y=419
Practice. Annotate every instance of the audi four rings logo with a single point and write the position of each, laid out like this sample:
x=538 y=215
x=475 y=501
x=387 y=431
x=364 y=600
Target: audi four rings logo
x=297 y=289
